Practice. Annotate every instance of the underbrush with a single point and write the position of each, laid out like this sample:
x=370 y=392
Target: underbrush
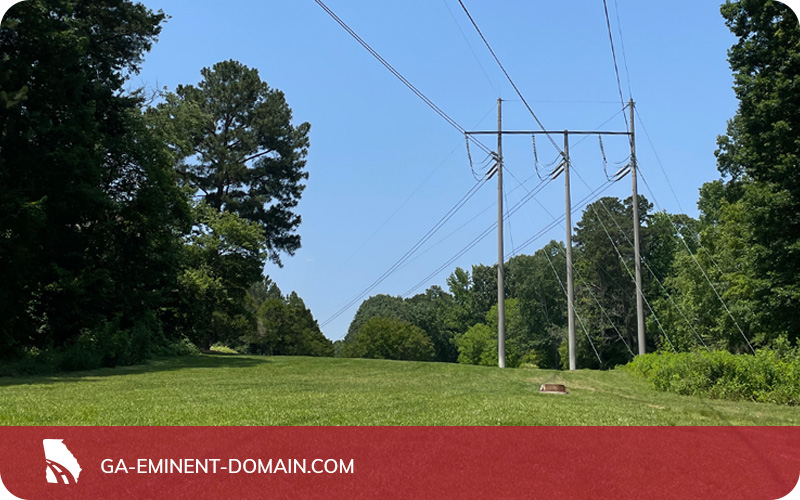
x=89 y=352
x=220 y=348
x=769 y=376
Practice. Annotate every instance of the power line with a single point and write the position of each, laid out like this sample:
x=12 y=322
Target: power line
x=472 y=219
x=630 y=274
x=491 y=83
x=690 y=253
x=503 y=69
x=580 y=204
x=474 y=189
x=478 y=238
x=655 y=277
x=622 y=43
x=583 y=326
x=588 y=288
x=681 y=238
x=658 y=159
x=399 y=76
x=614 y=56
x=705 y=275
x=400 y=207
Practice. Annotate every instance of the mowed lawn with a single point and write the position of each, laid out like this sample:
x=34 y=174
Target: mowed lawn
x=253 y=390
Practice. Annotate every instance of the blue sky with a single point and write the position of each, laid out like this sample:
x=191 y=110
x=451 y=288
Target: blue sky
x=384 y=167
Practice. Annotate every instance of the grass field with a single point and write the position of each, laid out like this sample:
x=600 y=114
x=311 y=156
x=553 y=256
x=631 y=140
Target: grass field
x=253 y=390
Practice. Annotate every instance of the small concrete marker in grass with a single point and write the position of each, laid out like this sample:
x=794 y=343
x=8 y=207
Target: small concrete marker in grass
x=553 y=389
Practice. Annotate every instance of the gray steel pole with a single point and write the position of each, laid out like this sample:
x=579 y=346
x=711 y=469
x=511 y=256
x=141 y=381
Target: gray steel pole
x=636 y=249
x=501 y=306
x=570 y=293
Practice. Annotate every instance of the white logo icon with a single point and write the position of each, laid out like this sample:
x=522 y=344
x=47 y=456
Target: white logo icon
x=62 y=467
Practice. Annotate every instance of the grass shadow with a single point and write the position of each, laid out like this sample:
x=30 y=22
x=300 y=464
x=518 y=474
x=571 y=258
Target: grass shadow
x=212 y=360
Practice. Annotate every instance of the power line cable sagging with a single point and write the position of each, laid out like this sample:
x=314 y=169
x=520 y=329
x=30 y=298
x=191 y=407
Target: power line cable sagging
x=400 y=77
x=432 y=231
x=480 y=180
x=508 y=77
x=614 y=57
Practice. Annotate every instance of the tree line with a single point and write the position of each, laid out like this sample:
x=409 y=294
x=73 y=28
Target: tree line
x=128 y=227
x=727 y=280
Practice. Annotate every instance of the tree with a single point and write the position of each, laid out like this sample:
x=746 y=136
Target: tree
x=478 y=346
x=536 y=281
x=388 y=338
x=429 y=312
x=89 y=211
x=236 y=146
x=484 y=290
x=383 y=306
x=461 y=316
x=282 y=325
x=222 y=257
x=605 y=293
x=760 y=157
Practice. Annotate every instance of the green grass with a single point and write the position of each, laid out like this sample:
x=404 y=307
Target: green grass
x=253 y=390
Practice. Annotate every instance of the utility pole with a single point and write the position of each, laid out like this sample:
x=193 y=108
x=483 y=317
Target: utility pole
x=501 y=348
x=570 y=294
x=501 y=306
x=636 y=249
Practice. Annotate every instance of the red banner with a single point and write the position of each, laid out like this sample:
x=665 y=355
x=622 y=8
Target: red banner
x=398 y=462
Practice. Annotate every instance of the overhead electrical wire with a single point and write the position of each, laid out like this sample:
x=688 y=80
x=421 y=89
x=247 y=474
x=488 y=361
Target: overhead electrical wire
x=464 y=36
x=577 y=316
x=480 y=145
x=478 y=238
x=708 y=280
x=647 y=266
x=658 y=158
x=681 y=238
x=474 y=189
x=614 y=57
x=630 y=274
x=473 y=218
x=622 y=44
x=508 y=77
x=400 y=77
x=605 y=229
x=602 y=309
x=588 y=288
x=444 y=116
x=552 y=141
x=576 y=206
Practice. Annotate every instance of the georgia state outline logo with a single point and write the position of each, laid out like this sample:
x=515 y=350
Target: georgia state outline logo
x=62 y=467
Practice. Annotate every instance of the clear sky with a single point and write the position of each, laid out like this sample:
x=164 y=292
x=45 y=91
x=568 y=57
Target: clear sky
x=384 y=168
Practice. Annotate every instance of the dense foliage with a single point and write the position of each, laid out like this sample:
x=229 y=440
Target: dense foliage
x=89 y=208
x=106 y=255
x=388 y=338
x=769 y=376
x=284 y=325
x=462 y=322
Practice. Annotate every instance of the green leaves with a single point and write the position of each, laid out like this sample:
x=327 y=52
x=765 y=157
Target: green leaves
x=756 y=211
x=89 y=211
x=387 y=338
x=284 y=325
x=235 y=145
